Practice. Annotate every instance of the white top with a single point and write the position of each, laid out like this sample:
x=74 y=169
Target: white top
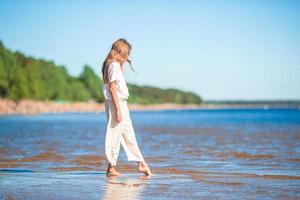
x=115 y=73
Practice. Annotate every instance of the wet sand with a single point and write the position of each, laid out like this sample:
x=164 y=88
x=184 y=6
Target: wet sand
x=193 y=155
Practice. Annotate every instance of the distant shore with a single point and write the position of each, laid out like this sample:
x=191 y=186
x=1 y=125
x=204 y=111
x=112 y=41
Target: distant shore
x=28 y=107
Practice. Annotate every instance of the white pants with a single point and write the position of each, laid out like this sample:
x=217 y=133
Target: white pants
x=120 y=133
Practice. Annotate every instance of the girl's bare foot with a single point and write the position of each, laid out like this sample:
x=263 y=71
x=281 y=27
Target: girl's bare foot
x=111 y=171
x=143 y=167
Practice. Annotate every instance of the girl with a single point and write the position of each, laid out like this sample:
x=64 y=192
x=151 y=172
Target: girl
x=119 y=128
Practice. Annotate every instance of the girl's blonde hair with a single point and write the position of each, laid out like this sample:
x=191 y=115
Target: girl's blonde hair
x=119 y=51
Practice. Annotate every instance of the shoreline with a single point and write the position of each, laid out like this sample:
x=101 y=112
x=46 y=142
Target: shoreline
x=29 y=107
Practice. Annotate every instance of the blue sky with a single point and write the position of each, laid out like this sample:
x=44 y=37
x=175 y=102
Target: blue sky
x=222 y=50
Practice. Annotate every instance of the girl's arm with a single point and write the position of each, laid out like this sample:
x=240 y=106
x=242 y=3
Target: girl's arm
x=113 y=91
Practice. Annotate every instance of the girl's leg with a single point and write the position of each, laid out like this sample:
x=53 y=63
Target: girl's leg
x=111 y=170
x=112 y=140
x=143 y=167
x=133 y=152
x=112 y=147
x=129 y=143
x=131 y=148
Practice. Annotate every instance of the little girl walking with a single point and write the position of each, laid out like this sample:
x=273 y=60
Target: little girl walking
x=119 y=128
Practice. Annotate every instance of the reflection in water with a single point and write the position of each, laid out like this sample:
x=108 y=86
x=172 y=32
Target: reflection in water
x=124 y=187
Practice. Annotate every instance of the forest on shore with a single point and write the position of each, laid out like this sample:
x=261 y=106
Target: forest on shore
x=26 y=77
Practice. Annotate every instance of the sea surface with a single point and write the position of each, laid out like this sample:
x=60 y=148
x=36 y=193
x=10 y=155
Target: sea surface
x=193 y=154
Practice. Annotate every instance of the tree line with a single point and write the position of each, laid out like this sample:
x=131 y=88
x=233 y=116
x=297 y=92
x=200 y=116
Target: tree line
x=25 y=77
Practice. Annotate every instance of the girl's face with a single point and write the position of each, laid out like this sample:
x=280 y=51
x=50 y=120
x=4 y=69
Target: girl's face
x=124 y=59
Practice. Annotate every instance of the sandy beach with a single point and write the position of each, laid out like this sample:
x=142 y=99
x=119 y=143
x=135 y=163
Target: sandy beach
x=26 y=107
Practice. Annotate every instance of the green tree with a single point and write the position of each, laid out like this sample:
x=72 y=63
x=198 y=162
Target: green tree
x=30 y=78
x=92 y=83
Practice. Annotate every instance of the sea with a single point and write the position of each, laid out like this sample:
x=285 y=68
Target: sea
x=251 y=153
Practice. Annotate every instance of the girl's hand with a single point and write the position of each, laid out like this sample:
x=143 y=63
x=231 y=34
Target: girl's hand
x=119 y=116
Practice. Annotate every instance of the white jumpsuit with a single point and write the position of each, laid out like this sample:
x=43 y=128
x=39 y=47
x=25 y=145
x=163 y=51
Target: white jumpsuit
x=123 y=132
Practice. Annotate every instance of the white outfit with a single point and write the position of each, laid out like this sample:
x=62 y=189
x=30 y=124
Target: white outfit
x=115 y=73
x=123 y=132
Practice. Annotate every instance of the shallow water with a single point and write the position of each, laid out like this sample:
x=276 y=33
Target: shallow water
x=209 y=154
